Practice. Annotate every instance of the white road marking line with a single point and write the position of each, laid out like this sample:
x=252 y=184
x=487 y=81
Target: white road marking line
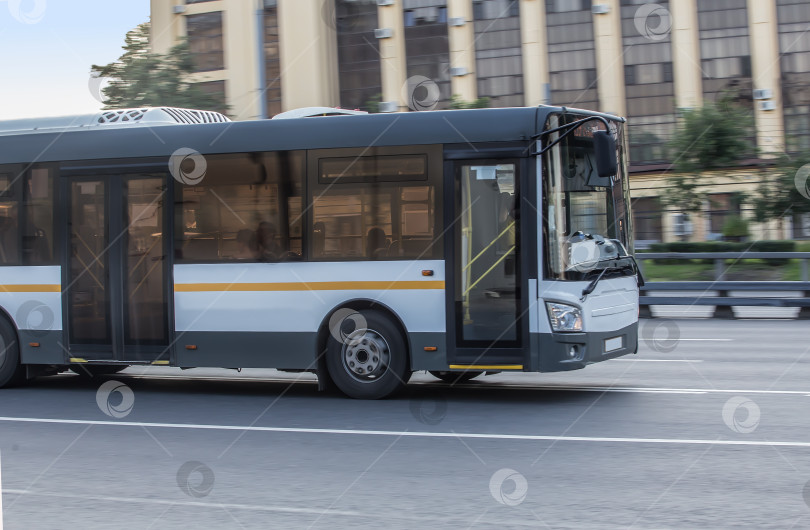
x=495 y=385
x=281 y=509
x=658 y=360
x=366 y=514
x=490 y=386
x=705 y=340
x=410 y=434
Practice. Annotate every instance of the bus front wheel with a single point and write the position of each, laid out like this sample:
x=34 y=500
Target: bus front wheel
x=11 y=371
x=367 y=356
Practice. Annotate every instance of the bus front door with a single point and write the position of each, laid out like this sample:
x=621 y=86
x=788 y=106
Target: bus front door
x=485 y=325
x=117 y=295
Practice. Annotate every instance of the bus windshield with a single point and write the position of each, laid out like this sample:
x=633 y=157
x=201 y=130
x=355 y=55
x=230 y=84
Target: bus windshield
x=585 y=217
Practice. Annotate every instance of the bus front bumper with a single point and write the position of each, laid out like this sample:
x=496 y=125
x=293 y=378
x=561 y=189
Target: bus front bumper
x=570 y=351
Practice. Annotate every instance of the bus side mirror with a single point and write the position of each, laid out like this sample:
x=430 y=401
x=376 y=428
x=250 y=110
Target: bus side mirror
x=605 y=151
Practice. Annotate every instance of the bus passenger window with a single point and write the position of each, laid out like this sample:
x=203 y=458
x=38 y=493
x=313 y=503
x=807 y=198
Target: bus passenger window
x=374 y=208
x=248 y=207
x=9 y=215
x=39 y=227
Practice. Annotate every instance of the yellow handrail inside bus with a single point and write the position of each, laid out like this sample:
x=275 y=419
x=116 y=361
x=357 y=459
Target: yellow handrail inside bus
x=497 y=262
x=505 y=230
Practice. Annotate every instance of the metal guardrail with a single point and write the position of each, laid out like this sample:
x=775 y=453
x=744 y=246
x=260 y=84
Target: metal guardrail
x=718 y=293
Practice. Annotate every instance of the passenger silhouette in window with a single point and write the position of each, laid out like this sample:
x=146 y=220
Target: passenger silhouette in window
x=246 y=245
x=268 y=247
x=376 y=243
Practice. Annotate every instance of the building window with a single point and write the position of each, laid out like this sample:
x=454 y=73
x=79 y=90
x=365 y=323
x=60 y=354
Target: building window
x=374 y=207
x=205 y=41
x=721 y=207
x=571 y=53
x=725 y=50
x=794 y=47
x=801 y=226
x=247 y=208
x=649 y=87
x=427 y=46
x=272 y=62
x=498 y=52
x=216 y=89
x=647 y=213
x=566 y=6
x=359 y=69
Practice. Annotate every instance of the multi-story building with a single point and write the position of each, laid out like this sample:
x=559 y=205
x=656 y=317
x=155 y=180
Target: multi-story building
x=638 y=58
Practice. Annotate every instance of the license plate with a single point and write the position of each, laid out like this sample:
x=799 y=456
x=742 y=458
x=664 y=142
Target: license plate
x=613 y=344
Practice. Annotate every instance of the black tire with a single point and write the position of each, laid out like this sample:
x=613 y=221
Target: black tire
x=11 y=371
x=371 y=362
x=455 y=377
x=95 y=370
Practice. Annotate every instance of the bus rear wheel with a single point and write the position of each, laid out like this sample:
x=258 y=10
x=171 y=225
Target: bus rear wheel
x=455 y=377
x=367 y=357
x=11 y=371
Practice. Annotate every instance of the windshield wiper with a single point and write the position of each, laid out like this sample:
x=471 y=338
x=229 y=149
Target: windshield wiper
x=591 y=286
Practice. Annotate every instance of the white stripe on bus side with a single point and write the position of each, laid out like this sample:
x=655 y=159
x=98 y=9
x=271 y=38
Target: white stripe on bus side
x=32 y=297
x=295 y=297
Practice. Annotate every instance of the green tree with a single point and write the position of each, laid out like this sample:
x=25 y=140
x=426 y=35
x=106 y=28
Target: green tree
x=457 y=103
x=373 y=104
x=140 y=78
x=780 y=192
x=735 y=228
x=713 y=137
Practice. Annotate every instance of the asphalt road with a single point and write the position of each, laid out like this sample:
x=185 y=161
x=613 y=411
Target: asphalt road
x=706 y=428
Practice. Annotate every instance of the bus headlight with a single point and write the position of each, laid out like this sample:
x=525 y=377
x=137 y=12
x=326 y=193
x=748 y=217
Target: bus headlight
x=564 y=317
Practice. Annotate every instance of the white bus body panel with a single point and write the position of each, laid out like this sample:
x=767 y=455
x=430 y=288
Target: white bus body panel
x=302 y=310
x=612 y=306
x=32 y=297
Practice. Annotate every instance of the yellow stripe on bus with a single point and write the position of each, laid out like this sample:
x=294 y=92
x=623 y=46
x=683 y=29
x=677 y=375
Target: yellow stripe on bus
x=486 y=367
x=308 y=286
x=30 y=288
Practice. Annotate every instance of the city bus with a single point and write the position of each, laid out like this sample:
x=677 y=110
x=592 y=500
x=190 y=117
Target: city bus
x=359 y=247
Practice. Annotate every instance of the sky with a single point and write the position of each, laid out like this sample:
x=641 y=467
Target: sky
x=48 y=46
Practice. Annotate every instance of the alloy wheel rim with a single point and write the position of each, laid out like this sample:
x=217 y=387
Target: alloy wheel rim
x=366 y=355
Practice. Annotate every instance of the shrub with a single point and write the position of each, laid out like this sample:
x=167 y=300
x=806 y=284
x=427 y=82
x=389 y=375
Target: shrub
x=735 y=228
x=721 y=246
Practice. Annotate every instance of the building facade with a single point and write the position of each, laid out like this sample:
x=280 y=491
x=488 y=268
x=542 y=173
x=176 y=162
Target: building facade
x=639 y=58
